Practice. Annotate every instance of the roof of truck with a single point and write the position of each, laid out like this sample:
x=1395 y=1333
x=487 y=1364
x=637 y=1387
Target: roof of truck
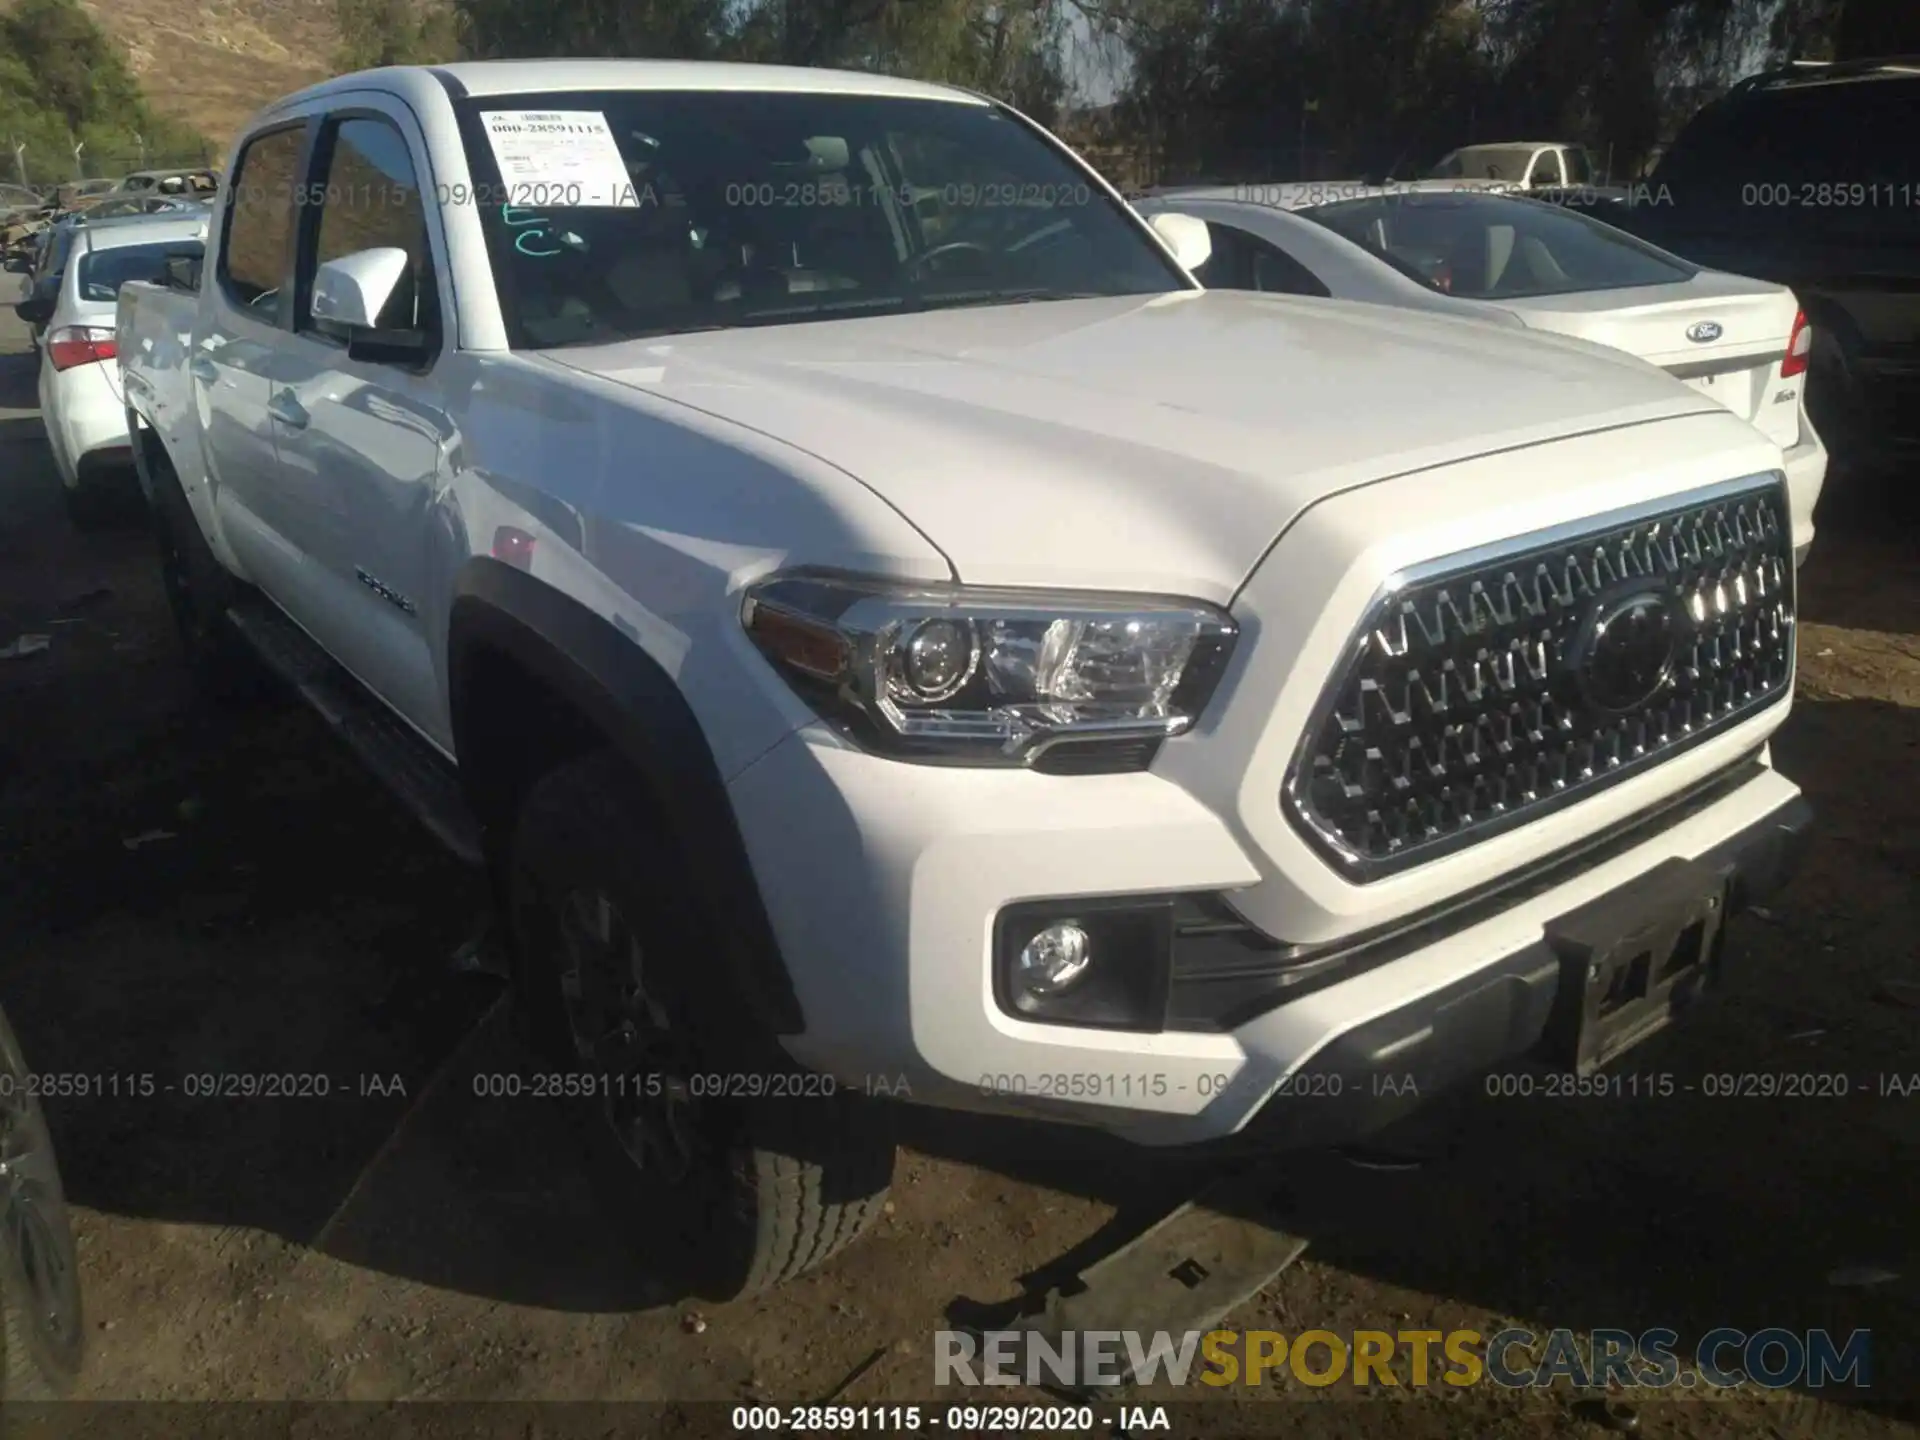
x=481 y=78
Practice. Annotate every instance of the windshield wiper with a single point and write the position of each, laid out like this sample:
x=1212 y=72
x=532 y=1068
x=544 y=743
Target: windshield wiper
x=964 y=299
x=829 y=307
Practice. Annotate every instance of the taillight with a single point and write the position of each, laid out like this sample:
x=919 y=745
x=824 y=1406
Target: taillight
x=73 y=345
x=513 y=546
x=1799 y=347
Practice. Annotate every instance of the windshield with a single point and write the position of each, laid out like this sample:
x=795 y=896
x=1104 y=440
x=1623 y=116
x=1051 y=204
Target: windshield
x=1492 y=247
x=654 y=212
x=103 y=272
x=1485 y=162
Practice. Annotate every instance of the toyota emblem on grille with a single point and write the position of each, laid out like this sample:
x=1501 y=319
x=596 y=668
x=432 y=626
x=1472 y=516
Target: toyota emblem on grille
x=1705 y=332
x=1625 y=650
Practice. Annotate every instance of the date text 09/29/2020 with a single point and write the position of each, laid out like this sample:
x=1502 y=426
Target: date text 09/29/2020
x=201 y=1085
x=957 y=1419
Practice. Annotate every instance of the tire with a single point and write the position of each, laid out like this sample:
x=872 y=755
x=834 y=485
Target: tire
x=41 y=1331
x=741 y=1193
x=200 y=592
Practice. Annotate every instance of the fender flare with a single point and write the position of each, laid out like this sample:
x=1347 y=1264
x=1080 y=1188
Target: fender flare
x=627 y=697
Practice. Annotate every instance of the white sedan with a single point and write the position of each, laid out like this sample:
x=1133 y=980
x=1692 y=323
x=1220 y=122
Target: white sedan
x=1515 y=261
x=80 y=398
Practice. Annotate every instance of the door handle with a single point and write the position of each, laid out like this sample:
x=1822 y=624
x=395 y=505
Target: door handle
x=202 y=368
x=288 y=410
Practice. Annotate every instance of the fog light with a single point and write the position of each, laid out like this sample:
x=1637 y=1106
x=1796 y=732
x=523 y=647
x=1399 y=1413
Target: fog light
x=1055 y=958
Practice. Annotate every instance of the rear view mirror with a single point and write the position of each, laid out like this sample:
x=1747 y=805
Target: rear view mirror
x=352 y=291
x=1186 y=236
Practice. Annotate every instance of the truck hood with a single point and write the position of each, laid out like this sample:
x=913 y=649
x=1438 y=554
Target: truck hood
x=1157 y=444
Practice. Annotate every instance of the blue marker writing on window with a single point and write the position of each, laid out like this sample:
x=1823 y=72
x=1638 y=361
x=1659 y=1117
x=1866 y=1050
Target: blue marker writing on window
x=532 y=229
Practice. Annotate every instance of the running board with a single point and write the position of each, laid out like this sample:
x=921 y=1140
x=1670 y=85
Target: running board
x=417 y=775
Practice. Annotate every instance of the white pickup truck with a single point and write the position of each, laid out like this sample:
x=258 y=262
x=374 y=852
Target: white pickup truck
x=888 y=631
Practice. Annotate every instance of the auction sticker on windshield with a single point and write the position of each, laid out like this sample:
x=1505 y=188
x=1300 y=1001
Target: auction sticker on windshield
x=558 y=157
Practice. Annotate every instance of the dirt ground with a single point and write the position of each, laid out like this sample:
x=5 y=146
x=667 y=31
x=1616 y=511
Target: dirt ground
x=186 y=895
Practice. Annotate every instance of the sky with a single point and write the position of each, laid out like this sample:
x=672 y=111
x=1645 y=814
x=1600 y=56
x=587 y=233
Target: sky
x=1096 y=66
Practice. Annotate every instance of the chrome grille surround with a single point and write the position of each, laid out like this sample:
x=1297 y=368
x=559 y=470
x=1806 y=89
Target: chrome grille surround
x=1459 y=712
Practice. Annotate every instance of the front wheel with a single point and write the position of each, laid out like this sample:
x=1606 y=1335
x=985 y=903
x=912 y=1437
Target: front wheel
x=742 y=1171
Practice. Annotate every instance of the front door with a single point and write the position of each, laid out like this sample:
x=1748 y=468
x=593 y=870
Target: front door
x=235 y=348
x=361 y=437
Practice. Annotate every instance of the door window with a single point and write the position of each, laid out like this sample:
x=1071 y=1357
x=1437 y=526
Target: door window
x=260 y=218
x=1243 y=261
x=1546 y=169
x=369 y=198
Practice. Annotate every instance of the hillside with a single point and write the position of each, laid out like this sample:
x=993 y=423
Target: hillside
x=212 y=63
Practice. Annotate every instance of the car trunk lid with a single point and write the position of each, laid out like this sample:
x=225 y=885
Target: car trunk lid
x=1723 y=335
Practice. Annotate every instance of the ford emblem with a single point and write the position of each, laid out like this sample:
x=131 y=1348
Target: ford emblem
x=1704 y=333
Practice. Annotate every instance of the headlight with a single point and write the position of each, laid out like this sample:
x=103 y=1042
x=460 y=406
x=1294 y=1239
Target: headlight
x=950 y=674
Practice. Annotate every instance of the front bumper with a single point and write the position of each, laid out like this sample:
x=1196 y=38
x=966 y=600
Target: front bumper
x=1377 y=1072
x=884 y=896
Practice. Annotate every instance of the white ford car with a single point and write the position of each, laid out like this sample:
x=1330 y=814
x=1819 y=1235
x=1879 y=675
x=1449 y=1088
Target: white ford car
x=1433 y=245
x=888 y=632
x=81 y=406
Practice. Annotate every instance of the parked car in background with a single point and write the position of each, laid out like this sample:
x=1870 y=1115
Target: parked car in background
x=42 y=1341
x=117 y=207
x=80 y=398
x=1520 y=164
x=1517 y=260
x=80 y=193
x=45 y=255
x=194 y=181
x=1805 y=176
x=927 y=639
x=18 y=200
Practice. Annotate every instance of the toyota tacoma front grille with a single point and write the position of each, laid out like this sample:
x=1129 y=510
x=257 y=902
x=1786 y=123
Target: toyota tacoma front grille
x=1486 y=689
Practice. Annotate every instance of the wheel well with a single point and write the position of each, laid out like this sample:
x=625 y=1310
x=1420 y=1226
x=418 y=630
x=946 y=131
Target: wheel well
x=513 y=728
x=536 y=680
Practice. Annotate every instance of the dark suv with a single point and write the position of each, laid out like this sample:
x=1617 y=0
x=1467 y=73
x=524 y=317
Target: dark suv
x=1806 y=176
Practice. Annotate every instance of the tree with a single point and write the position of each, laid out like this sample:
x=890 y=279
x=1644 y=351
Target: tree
x=1009 y=48
x=77 y=72
x=63 y=81
x=395 y=32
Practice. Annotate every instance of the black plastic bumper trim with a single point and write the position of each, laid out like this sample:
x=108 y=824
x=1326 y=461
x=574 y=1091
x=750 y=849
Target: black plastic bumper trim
x=1377 y=1072
x=1226 y=973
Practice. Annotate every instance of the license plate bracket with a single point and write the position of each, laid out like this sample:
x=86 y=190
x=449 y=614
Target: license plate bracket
x=1630 y=961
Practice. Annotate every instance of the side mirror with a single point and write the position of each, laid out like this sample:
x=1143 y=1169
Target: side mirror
x=1186 y=236
x=181 y=271
x=349 y=295
x=36 y=309
x=352 y=291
